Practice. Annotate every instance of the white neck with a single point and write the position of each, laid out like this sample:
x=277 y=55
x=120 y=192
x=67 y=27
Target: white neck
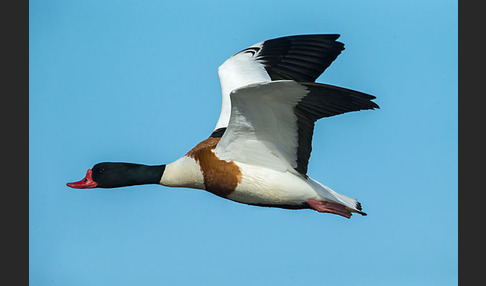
x=184 y=172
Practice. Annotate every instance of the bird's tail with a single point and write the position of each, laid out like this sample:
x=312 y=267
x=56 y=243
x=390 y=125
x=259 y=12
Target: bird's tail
x=351 y=203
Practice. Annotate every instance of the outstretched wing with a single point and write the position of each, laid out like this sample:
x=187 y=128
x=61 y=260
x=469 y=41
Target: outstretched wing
x=299 y=58
x=272 y=123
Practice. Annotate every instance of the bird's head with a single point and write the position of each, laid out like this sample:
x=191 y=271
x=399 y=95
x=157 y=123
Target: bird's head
x=113 y=175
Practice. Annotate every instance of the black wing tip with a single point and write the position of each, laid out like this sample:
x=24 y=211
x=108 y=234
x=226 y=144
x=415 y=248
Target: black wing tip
x=363 y=100
x=299 y=57
x=315 y=35
x=371 y=105
x=325 y=35
x=322 y=38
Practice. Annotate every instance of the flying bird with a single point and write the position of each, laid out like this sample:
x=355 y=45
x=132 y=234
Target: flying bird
x=259 y=150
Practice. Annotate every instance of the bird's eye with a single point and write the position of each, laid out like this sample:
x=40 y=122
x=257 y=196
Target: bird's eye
x=85 y=180
x=102 y=170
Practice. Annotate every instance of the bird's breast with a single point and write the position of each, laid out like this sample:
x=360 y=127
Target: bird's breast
x=220 y=177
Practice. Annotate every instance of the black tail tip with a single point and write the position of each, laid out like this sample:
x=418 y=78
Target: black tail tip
x=358 y=207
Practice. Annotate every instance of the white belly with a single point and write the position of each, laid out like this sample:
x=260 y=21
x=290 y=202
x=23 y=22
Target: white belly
x=270 y=187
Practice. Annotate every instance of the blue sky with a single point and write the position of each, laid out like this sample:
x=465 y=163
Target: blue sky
x=136 y=81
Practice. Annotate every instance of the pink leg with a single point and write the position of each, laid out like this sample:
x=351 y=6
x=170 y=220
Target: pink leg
x=328 y=207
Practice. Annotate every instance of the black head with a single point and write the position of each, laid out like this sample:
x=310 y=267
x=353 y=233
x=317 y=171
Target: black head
x=113 y=175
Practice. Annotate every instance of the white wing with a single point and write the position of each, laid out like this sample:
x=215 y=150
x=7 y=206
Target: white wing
x=239 y=70
x=263 y=129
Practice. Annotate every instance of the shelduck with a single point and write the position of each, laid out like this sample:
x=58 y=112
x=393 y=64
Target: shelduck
x=260 y=147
